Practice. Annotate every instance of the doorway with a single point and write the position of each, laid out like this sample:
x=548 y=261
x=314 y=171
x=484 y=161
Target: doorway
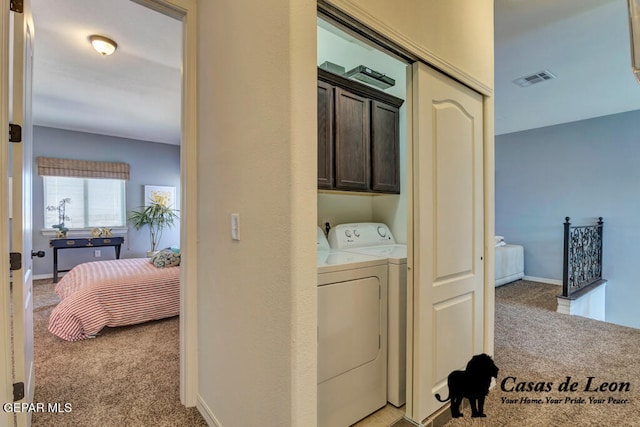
x=444 y=225
x=185 y=170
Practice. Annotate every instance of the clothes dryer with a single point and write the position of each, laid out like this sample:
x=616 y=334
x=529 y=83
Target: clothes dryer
x=376 y=239
x=352 y=335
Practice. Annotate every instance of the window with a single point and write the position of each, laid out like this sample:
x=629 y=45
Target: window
x=94 y=202
x=95 y=192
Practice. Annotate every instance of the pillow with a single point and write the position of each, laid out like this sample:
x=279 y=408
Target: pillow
x=166 y=258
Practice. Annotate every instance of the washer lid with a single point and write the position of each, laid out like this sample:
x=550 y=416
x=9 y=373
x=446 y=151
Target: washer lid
x=322 y=242
x=396 y=254
x=329 y=261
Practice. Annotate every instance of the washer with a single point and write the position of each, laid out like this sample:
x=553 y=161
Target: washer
x=352 y=335
x=376 y=239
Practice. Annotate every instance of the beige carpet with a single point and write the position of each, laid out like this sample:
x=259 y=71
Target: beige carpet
x=129 y=376
x=126 y=377
x=536 y=344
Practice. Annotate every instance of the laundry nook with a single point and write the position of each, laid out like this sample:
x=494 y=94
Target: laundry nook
x=362 y=265
x=400 y=226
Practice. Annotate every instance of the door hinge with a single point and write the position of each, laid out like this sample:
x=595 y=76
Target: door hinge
x=16 y=6
x=15 y=133
x=18 y=391
x=15 y=261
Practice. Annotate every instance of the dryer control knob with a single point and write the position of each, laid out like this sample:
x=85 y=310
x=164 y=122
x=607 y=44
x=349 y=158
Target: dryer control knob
x=382 y=231
x=347 y=233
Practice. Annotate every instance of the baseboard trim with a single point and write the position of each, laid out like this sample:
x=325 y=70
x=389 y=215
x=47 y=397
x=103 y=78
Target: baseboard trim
x=442 y=415
x=543 y=280
x=42 y=276
x=206 y=413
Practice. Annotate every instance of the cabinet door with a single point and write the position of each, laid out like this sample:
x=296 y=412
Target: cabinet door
x=325 y=135
x=352 y=141
x=385 y=149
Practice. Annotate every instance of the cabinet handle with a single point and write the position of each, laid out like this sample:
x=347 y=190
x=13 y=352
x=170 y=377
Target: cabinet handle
x=71 y=242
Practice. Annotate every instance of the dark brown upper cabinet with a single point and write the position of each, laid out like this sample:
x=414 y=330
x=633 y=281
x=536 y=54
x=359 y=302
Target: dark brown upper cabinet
x=352 y=141
x=385 y=148
x=325 y=135
x=358 y=136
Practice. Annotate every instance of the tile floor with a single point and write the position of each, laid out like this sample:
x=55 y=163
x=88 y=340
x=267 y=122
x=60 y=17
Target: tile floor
x=384 y=417
x=390 y=416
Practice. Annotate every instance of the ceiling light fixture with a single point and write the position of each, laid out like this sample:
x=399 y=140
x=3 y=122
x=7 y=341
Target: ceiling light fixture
x=634 y=34
x=104 y=45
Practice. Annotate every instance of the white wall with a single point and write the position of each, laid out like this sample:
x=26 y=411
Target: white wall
x=338 y=208
x=257 y=157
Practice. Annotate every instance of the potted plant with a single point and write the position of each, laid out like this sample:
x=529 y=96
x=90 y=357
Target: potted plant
x=62 y=216
x=156 y=216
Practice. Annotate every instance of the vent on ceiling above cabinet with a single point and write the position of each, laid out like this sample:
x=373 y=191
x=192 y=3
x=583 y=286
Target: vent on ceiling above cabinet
x=539 y=77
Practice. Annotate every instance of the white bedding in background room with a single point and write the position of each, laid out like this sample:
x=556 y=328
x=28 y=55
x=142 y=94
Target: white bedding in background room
x=509 y=262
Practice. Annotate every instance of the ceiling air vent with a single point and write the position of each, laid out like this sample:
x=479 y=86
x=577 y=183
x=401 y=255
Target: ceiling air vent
x=532 y=79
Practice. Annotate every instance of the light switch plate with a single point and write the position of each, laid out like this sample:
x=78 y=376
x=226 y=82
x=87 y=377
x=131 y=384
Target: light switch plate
x=235 y=226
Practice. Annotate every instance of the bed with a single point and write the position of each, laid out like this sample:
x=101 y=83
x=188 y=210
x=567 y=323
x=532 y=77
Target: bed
x=509 y=262
x=113 y=293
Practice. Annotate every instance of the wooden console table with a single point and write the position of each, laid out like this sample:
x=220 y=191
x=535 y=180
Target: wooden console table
x=85 y=242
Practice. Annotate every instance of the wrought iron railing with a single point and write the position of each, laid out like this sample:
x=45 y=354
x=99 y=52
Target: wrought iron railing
x=582 y=266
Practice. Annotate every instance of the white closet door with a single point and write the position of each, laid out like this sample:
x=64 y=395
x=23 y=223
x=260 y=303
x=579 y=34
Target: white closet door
x=448 y=233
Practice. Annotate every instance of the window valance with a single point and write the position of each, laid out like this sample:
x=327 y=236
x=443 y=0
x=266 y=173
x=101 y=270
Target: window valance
x=51 y=166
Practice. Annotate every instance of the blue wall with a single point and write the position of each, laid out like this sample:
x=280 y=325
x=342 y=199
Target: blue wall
x=583 y=170
x=151 y=164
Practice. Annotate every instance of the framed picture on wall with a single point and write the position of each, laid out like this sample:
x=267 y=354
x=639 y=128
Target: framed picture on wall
x=162 y=194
